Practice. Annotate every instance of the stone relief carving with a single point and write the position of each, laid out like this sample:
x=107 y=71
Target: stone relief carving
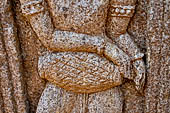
x=89 y=53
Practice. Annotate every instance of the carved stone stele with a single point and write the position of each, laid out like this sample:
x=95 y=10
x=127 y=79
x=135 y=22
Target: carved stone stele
x=87 y=57
x=37 y=37
x=89 y=50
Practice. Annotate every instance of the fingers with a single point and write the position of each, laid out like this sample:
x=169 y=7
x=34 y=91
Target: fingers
x=139 y=80
x=125 y=70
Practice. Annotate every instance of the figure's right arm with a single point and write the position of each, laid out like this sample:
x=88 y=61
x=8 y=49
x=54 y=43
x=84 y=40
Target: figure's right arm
x=41 y=23
x=37 y=14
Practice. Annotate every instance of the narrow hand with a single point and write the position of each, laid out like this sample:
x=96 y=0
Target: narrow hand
x=139 y=80
x=118 y=57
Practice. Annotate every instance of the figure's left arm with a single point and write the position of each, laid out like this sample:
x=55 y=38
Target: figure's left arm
x=119 y=15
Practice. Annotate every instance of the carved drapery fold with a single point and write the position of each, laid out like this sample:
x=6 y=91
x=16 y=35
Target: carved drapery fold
x=12 y=72
x=5 y=81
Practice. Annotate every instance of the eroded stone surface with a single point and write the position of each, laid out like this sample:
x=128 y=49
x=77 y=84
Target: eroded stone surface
x=66 y=36
x=12 y=84
x=57 y=100
x=30 y=47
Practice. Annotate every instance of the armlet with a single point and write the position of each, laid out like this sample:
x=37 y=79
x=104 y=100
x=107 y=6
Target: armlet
x=122 y=11
x=32 y=7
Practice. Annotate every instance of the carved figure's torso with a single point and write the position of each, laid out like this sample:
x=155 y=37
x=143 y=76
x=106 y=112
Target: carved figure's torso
x=81 y=16
x=73 y=19
x=75 y=26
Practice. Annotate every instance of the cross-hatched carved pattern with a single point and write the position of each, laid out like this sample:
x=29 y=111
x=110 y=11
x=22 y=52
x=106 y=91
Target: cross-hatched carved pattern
x=79 y=72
